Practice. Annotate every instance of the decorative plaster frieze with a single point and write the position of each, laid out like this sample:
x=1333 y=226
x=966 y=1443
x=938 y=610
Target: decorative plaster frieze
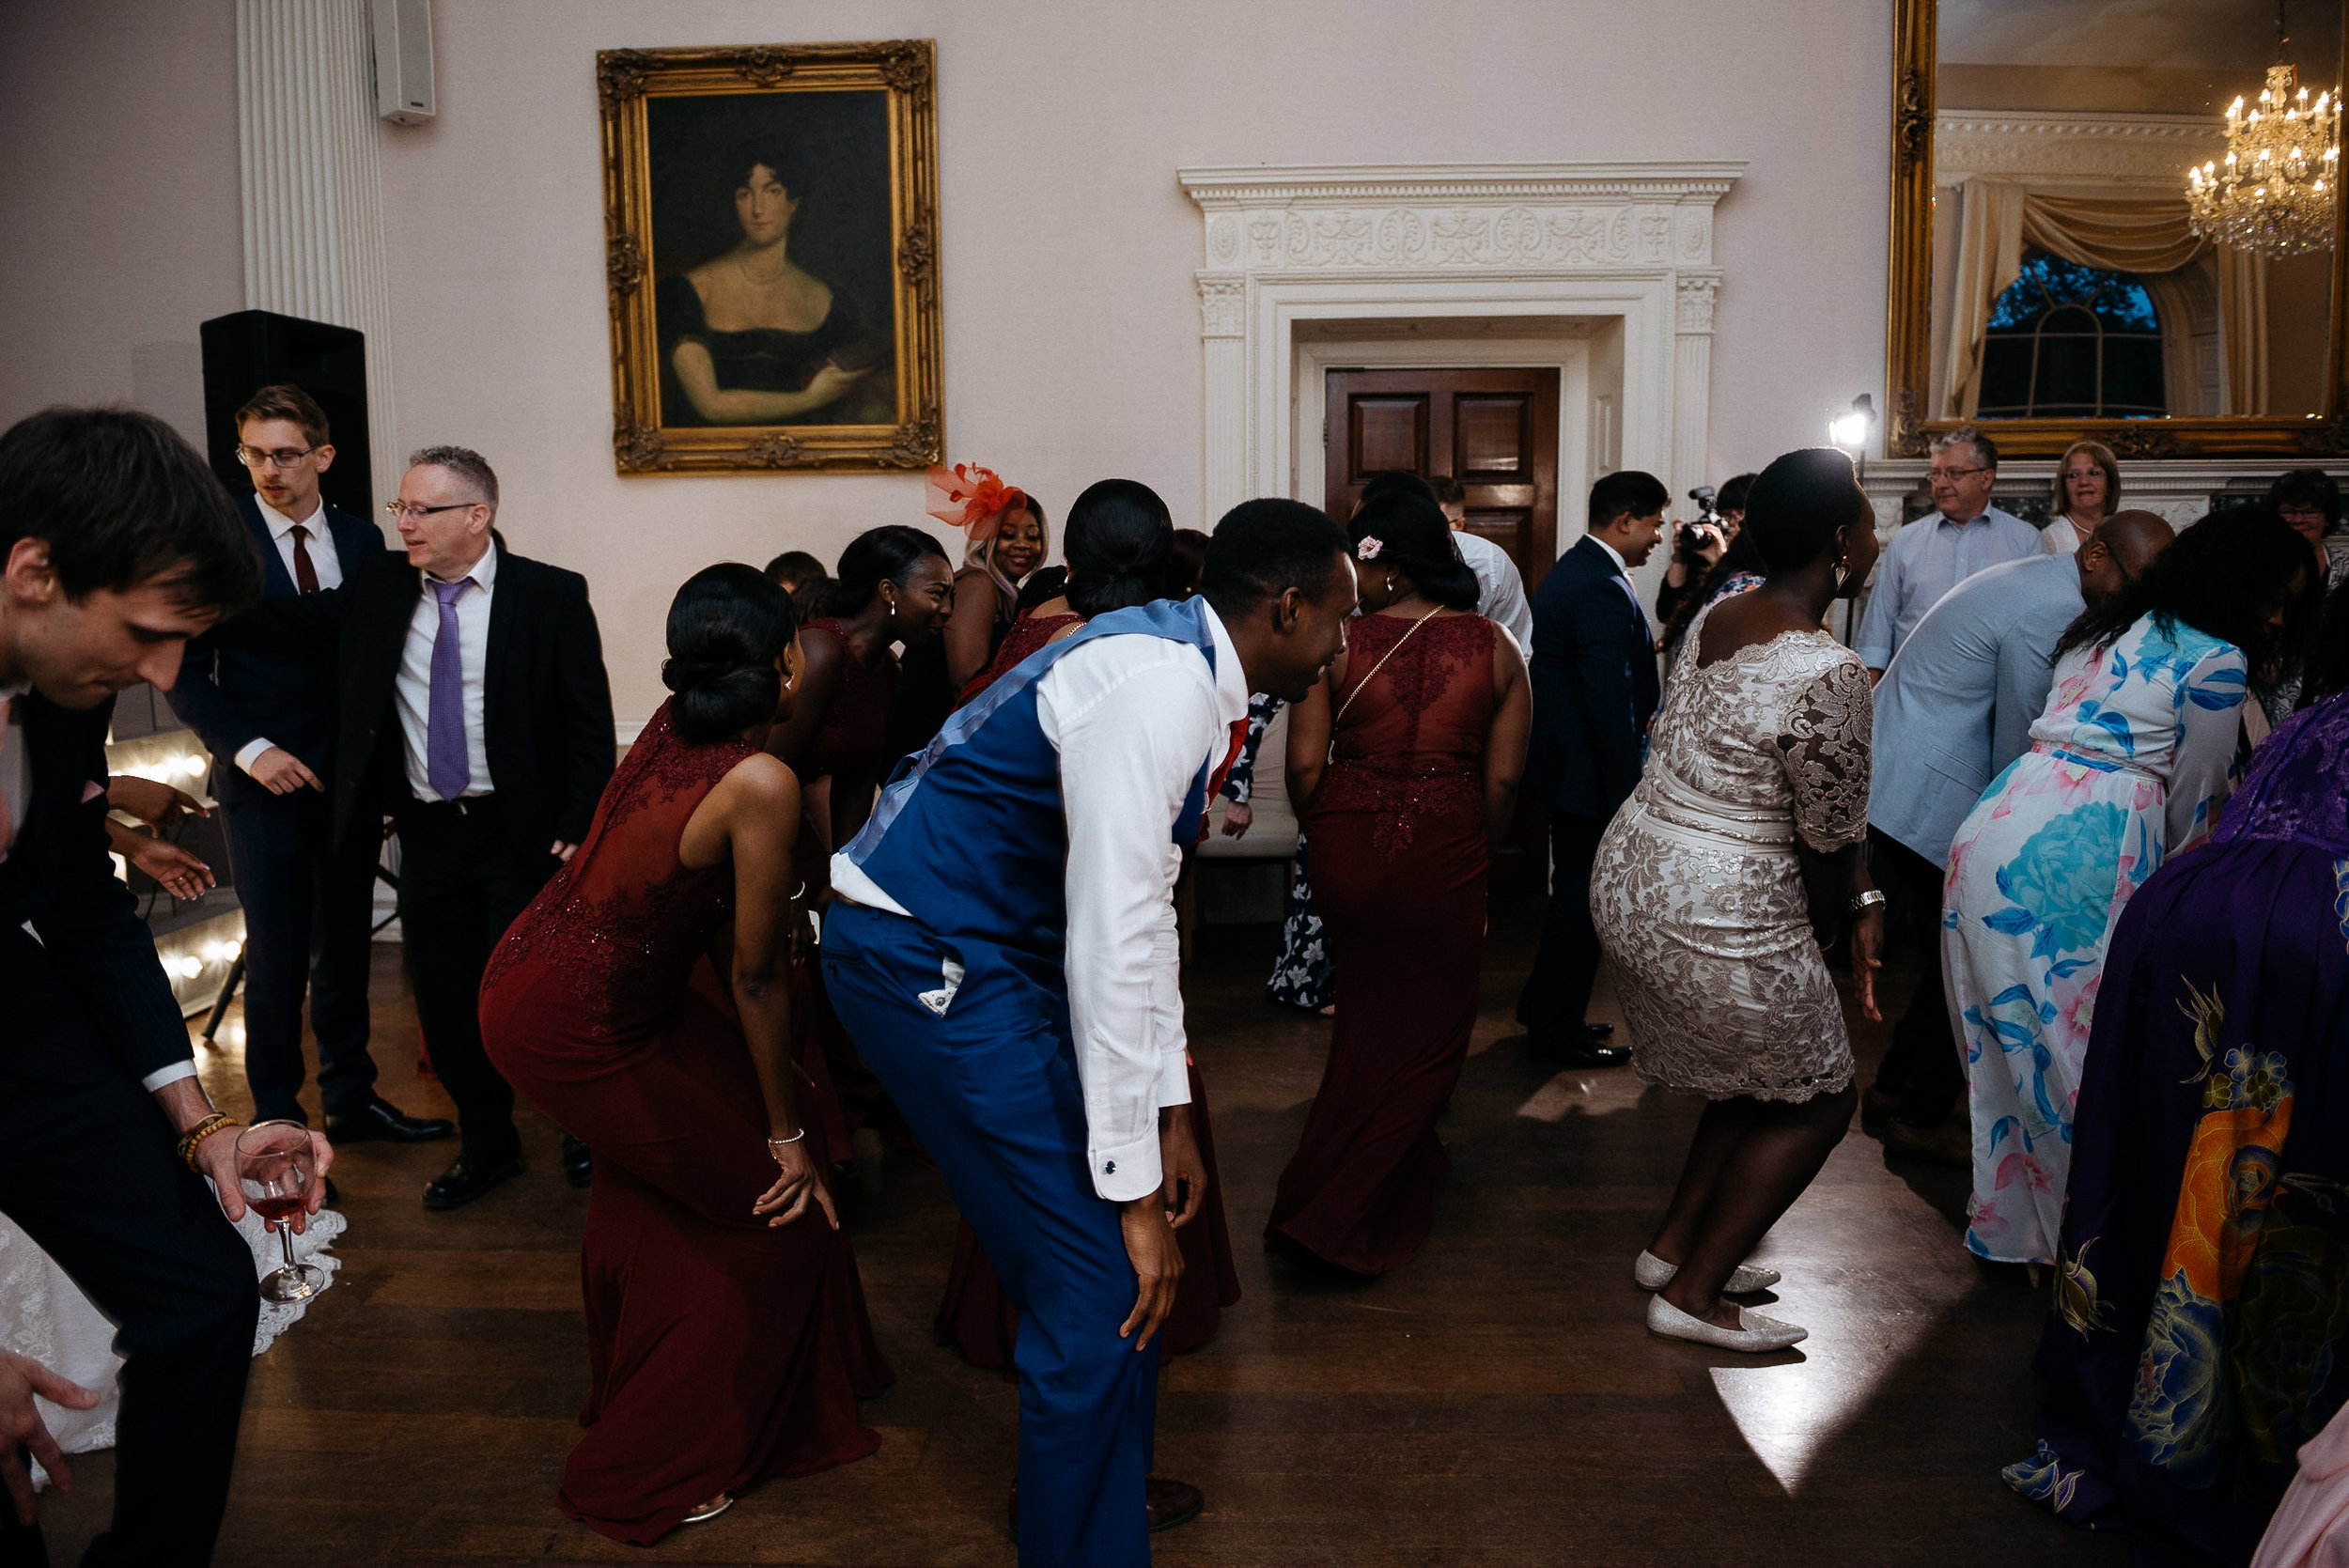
x=1528 y=218
x=2076 y=149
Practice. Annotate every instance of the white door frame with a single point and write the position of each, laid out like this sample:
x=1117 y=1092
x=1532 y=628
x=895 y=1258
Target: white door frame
x=1284 y=245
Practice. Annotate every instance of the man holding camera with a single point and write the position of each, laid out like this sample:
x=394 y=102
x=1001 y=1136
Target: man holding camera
x=1699 y=545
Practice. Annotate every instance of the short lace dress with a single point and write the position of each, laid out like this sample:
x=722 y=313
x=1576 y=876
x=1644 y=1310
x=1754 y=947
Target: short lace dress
x=1698 y=893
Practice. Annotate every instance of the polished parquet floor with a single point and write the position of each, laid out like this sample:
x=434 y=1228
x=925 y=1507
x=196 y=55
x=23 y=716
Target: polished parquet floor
x=1497 y=1402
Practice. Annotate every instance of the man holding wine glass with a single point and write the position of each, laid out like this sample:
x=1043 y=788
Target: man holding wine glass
x=117 y=545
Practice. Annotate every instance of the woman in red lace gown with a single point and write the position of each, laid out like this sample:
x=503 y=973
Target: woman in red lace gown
x=726 y=1331
x=894 y=587
x=1118 y=542
x=1430 y=710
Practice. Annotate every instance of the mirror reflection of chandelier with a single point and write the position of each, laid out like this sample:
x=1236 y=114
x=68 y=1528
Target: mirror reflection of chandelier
x=2277 y=190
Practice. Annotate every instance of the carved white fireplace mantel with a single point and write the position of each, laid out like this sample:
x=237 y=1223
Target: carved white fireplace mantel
x=1632 y=242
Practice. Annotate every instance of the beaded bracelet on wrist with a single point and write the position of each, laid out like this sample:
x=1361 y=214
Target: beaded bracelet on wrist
x=195 y=1136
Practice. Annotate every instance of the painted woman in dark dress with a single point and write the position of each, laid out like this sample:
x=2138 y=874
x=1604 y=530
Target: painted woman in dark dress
x=750 y=337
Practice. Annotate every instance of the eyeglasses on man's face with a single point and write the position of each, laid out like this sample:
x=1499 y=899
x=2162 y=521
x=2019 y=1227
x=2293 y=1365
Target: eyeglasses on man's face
x=1954 y=475
x=283 y=457
x=417 y=509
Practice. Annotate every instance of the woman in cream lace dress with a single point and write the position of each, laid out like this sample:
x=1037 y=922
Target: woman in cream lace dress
x=1733 y=862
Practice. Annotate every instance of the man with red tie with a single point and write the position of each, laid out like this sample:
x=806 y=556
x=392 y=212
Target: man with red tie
x=268 y=716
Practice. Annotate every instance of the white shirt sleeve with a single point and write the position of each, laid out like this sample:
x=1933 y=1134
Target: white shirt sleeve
x=250 y=752
x=1134 y=719
x=172 y=1073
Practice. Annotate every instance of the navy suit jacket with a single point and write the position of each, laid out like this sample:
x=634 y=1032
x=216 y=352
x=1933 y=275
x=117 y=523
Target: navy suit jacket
x=89 y=999
x=547 y=703
x=1594 y=685
x=233 y=696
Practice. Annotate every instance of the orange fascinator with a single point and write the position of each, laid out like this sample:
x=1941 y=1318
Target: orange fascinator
x=972 y=499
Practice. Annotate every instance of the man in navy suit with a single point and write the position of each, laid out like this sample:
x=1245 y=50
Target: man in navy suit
x=117 y=544
x=269 y=717
x=1594 y=689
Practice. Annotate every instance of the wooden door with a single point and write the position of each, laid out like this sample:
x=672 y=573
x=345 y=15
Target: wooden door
x=1496 y=431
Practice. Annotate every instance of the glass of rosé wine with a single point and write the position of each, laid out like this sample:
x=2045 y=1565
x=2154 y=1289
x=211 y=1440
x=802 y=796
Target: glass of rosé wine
x=276 y=1169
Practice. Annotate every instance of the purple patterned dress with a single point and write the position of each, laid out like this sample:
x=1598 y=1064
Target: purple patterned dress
x=2200 y=1329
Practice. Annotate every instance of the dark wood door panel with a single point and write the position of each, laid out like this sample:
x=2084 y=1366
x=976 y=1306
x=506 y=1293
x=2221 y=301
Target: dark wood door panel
x=1386 y=432
x=1493 y=437
x=1494 y=430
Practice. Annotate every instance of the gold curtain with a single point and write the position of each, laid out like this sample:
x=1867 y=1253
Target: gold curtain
x=1997 y=218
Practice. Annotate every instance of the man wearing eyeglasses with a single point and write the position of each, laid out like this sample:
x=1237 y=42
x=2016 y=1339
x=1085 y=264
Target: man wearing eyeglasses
x=475 y=710
x=1964 y=535
x=267 y=715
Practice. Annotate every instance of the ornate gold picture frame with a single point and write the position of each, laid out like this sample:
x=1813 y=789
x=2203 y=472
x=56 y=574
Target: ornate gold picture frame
x=771 y=221
x=1909 y=427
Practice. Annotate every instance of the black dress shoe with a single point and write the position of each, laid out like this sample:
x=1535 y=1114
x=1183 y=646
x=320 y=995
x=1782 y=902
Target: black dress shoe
x=469 y=1178
x=1171 y=1502
x=1586 y=1047
x=579 y=1166
x=383 y=1119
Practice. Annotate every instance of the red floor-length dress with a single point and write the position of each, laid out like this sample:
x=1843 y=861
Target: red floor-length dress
x=723 y=1351
x=1399 y=865
x=976 y=1317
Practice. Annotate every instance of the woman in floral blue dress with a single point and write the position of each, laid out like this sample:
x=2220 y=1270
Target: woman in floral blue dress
x=2130 y=762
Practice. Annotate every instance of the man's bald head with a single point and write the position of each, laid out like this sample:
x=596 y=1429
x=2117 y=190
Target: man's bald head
x=2118 y=552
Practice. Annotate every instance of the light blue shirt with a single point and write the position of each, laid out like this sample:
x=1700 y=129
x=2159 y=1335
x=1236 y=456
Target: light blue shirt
x=1958 y=702
x=1928 y=559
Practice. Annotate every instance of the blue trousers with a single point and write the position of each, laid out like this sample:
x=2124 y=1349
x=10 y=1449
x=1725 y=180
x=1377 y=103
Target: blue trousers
x=986 y=1075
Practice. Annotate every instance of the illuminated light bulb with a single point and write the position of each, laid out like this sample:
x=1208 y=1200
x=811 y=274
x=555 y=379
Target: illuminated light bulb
x=236 y=1034
x=231 y=950
x=188 y=968
x=1850 y=430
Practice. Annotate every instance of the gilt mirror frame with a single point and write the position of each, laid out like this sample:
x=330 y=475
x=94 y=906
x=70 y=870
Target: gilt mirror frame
x=1908 y=328
x=757 y=90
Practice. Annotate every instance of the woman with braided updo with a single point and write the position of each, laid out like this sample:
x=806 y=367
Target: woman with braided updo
x=726 y=1329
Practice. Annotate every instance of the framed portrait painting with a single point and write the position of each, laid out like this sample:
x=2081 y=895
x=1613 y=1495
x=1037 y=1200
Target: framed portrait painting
x=770 y=224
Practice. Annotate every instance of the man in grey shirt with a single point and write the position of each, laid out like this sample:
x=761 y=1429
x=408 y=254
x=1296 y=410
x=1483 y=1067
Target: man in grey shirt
x=1954 y=710
x=1934 y=554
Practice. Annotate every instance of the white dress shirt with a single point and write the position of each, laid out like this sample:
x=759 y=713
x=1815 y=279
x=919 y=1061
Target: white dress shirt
x=411 y=691
x=1134 y=719
x=323 y=561
x=1622 y=573
x=1500 y=591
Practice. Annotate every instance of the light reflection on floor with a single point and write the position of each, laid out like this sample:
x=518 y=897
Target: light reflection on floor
x=1871 y=1270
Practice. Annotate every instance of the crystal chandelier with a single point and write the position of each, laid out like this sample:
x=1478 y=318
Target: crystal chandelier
x=2276 y=191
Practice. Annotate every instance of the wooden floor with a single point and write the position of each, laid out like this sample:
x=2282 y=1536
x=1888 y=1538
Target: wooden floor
x=1497 y=1402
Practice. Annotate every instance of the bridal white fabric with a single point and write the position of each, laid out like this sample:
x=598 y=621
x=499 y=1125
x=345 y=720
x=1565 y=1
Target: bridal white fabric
x=44 y=1317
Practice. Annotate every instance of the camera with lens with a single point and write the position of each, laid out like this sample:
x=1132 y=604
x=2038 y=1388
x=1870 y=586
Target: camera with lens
x=1706 y=533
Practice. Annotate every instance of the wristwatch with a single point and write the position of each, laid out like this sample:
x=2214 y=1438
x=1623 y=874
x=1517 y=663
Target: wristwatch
x=1862 y=903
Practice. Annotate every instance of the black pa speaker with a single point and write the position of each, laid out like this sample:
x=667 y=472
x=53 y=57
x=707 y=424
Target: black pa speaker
x=254 y=348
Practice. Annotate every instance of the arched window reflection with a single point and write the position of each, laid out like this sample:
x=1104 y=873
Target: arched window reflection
x=2073 y=341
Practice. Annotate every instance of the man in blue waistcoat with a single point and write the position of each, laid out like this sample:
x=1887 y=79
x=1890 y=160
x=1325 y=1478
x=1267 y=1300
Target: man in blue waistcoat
x=1003 y=951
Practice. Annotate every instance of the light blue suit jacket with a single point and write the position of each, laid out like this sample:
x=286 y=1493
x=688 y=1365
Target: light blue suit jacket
x=1961 y=697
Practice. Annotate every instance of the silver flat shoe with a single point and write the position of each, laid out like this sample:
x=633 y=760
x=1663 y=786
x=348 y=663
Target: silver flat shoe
x=1755 y=1335
x=1654 y=1273
x=709 y=1511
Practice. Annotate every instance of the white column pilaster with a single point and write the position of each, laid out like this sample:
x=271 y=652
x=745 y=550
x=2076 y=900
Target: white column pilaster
x=1692 y=378
x=312 y=188
x=1222 y=327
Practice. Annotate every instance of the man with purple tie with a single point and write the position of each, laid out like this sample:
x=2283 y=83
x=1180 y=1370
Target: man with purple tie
x=474 y=709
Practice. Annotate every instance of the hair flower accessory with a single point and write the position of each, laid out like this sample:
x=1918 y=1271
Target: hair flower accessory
x=972 y=499
x=1370 y=547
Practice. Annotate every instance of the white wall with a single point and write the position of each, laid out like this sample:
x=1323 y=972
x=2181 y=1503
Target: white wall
x=1071 y=323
